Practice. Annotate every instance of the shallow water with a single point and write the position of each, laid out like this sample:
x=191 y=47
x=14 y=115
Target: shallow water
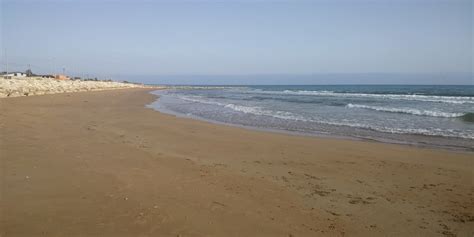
x=424 y=115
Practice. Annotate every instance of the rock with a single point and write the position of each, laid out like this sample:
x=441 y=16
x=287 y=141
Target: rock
x=30 y=86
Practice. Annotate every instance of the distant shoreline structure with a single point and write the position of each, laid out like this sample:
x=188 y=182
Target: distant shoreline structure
x=16 y=86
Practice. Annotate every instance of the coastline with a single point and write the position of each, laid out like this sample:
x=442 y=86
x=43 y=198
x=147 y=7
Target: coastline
x=460 y=149
x=118 y=167
x=416 y=140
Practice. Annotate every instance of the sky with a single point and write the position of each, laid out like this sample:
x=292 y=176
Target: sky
x=243 y=41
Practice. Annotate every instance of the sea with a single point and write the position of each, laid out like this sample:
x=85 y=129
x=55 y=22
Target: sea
x=434 y=116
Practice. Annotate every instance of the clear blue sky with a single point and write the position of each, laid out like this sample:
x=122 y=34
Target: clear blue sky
x=239 y=37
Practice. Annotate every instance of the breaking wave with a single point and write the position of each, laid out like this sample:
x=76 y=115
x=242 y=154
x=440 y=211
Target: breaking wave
x=408 y=111
x=424 y=98
x=285 y=115
x=290 y=116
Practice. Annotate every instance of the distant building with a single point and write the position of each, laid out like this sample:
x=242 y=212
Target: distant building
x=61 y=77
x=46 y=76
x=15 y=74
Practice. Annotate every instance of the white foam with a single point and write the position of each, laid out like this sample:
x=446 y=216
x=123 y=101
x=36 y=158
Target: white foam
x=410 y=131
x=408 y=111
x=425 y=98
x=290 y=116
x=259 y=111
x=271 y=113
x=197 y=99
x=245 y=109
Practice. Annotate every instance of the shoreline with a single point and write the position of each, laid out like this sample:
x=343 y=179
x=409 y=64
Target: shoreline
x=461 y=149
x=117 y=167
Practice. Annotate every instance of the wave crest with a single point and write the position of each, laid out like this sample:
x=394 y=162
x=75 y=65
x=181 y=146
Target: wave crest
x=425 y=98
x=285 y=115
x=408 y=111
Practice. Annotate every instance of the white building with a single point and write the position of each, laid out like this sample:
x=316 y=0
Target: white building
x=15 y=74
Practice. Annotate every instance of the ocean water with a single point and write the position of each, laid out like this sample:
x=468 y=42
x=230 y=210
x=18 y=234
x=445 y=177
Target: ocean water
x=421 y=115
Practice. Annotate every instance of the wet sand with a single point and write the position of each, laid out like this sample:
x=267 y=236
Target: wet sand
x=101 y=164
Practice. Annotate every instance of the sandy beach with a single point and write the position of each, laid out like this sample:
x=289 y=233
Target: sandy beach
x=102 y=164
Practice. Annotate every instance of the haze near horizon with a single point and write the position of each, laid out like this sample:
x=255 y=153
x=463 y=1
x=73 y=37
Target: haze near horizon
x=217 y=42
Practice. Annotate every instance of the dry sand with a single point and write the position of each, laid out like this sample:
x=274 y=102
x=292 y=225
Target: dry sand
x=101 y=164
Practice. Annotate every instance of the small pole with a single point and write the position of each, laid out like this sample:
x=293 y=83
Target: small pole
x=6 y=61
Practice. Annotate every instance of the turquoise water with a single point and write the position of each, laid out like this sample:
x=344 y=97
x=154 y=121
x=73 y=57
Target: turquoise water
x=425 y=115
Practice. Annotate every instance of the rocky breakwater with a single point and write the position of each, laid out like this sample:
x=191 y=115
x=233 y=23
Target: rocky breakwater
x=29 y=86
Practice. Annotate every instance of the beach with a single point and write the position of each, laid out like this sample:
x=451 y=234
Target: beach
x=423 y=115
x=103 y=164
